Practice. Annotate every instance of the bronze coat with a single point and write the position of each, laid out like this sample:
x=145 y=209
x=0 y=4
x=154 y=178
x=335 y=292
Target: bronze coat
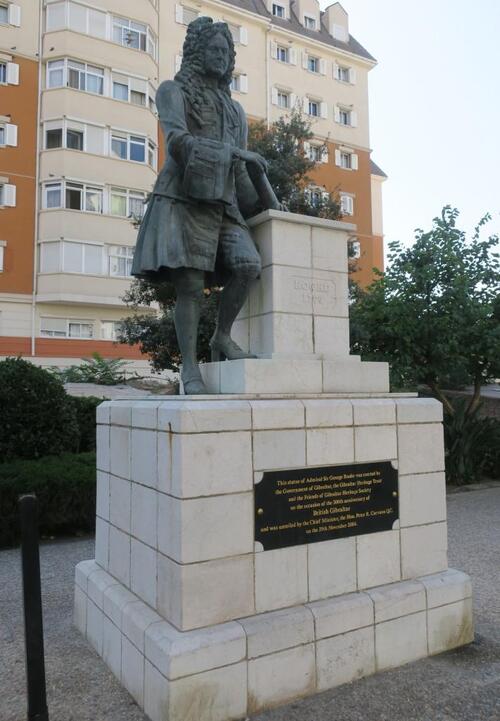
x=199 y=184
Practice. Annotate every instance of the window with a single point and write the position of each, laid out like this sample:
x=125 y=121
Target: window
x=55 y=73
x=152 y=154
x=85 y=77
x=8 y=134
x=137 y=98
x=53 y=138
x=82 y=258
x=128 y=147
x=91 y=21
x=9 y=73
x=133 y=35
x=347 y=204
x=4 y=14
x=127 y=203
x=315 y=153
x=110 y=329
x=64 y=328
x=309 y=22
x=83 y=197
x=346 y=160
x=7 y=195
x=120 y=260
x=313 y=108
x=312 y=64
x=343 y=74
x=53 y=327
x=77 y=196
x=278 y=11
x=120 y=91
x=185 y=15
x=345 y=116
x=282 y=54
x=239 y=83
x=50 y=257
x=2 y=254
x=355 y=247
x=53 y=195
x=283 y=99
x=74 y=139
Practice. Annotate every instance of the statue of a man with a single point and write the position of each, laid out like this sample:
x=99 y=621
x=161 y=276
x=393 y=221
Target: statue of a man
x=195 y=221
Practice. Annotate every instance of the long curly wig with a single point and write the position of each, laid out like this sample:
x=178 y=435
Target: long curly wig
x=190 y=76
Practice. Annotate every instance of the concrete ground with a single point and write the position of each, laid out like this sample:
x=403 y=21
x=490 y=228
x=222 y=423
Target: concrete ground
x=462 y=685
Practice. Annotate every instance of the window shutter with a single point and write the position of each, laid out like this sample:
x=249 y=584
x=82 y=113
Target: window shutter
x=274 y=49
x=292 y=56
x=336 y=111
x=324 y=154
x=243 y=83
x=307 y=148
x=11 y=134
x=325 y=195
x=178 y=63
x=140 y=86
x=15 y=15
x=339 y=32
x=335 y=70
x=322 y=66
x=323 y=110
x=9 y=195
x=352 y=75
x=305 y=105
x=354 y=161
x=243 y=36
x=274 y=96
x=304 y=60
x=354 y=119
x=13 y=73
x=337 y=157
x=179 y=14
x=293 y=100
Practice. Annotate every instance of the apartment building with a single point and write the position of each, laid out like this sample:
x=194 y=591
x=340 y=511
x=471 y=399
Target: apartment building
x=80 y=145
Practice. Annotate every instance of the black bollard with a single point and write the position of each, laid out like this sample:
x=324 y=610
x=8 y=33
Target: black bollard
x=33 y=621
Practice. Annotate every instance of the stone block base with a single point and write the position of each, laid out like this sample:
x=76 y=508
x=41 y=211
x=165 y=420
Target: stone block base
x=299 y=375
x=231 y=670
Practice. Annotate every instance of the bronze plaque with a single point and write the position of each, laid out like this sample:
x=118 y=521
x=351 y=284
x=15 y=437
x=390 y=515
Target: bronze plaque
x=305 y=505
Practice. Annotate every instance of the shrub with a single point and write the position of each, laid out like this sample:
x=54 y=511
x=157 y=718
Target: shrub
x=65 y=488
x=85 y=408
x=38 y=417
x=472 y=444
x=103 y=371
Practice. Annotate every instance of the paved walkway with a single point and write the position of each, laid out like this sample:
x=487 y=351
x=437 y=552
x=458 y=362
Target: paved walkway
x=462 y=685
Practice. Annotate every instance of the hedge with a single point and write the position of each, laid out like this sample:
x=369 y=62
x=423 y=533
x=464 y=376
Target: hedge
x=65 y=487
x=85 y=408
x=38 y=417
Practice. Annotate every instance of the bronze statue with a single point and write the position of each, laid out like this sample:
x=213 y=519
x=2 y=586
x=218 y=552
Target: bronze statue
x=194 y=225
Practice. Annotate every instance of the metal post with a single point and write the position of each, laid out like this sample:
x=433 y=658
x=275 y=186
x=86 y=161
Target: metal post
x=33 y=621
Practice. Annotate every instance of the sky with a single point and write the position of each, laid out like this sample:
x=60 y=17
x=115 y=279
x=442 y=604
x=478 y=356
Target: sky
x=434 y=107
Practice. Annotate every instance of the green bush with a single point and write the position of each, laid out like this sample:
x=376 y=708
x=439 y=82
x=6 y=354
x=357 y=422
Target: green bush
x=103 y=371
x=38 y=417
x=65 y=488
x=85 y=408
x=472 y=444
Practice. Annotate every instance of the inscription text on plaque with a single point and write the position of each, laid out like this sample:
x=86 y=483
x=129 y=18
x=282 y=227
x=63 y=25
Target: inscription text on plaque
x=305 y=505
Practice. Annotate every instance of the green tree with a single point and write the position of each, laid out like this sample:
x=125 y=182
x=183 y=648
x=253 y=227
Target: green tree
x=435 y=313
x=282 y=146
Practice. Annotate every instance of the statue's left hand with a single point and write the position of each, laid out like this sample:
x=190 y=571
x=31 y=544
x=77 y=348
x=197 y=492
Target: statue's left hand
x=256 y=161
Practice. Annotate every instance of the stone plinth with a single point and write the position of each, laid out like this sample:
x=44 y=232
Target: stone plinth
x=195 y=619
x=296 y=319
x=299 y=304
